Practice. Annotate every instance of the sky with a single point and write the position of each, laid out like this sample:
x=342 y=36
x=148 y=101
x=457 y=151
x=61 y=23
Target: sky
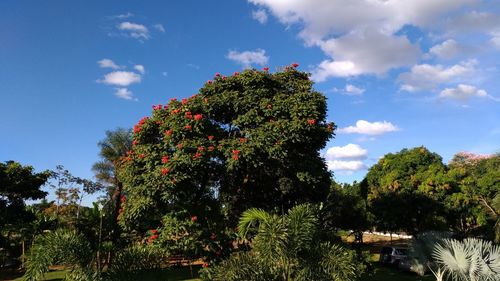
x=397 y=73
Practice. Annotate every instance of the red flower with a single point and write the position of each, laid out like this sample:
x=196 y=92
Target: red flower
x=168 y=132
x=266 y=68
x=164 y=159
x=184 y=101
x=295 y=64
x=173 y=99
x=142 y=156
x=165 y=107
x=165 y=171
x=137 y=128
x=210 y=137
x=201 y=148
x=217 y=74
x=135 y=142
x=211 y=148
x=311 y=121
x=194 y=218
x=123 y=199
x=157 y=107
x=159 y=122
x=269 y=106
x=236 y=73
x=175 y=111
x=188 y=127
x=209 y=82
x=242 y=140
x=180 y=145
x=213 y=236
x=236 y=151
x=154 y=231
x=204 y=265
x=196 y=155
x=198 y=117
x=236 y=157
x=223 y=77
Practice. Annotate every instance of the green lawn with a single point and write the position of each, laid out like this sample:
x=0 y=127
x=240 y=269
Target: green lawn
x=171 y=274
x=183 y=274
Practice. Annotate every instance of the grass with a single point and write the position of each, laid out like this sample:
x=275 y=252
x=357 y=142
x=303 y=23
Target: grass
x=382 y=273
x=171 y=274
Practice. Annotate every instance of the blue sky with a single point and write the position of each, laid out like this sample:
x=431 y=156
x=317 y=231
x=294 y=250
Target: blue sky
x=396 y=73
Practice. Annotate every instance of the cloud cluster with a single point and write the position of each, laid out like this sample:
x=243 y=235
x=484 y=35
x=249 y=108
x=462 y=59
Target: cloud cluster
x=134 y=30
x=464 y=92
x=260 y=16
x=360 y=36
x=121 y=78
x=369 y=128
x=248 y=58
x=346 y=158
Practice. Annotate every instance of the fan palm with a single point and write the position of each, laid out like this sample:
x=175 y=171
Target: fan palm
x=290 y=247
x=470 y=259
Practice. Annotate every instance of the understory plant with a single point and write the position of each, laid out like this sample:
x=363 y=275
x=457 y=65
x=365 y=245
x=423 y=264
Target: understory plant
x=287 y=247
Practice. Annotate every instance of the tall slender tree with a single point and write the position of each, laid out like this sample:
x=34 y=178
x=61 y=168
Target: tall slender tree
x=113 y=147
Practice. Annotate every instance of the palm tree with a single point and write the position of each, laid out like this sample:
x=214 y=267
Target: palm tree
x=288 y=247
x=115 y=146
x=469 y=260
x=72 y=249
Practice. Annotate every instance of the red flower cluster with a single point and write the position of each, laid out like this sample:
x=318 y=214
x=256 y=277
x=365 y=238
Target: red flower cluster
x=188 y=127
x=201 y=148
x=175 y=111
x=123 y=199
x=209 y=82
x=295 y=64
x=154 y=231
x=242 y=140
x=236 y=154
x=168 y=132
x=204 y=265
x=311 y=121
x=135 y=142
x=210 y=137
x=180 y=146
x=194 y=218
x=152 y=238
x=165 y=171
x=188 y=115
x=173 y=99
x=157 y=107
x=197 y=155
x=236 y=74
x=164 y=159
x=198 y=117
x=185 y=101
x=211 y=148
x=142 y=156
x=217 y=74
x=266 y=68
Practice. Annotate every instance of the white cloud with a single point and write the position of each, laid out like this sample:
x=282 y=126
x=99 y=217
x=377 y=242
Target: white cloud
x=349 y=151
x=121 y=78
x=369 y=128
x=360 y=36
x=107 y=63
x=124 y=93
x=369 y=51
x=353 y=90
x=260 y=16
x=345 y=166
x=135 y=30
x=248 y=58
x=495 y=39
x=446 y=50
x=140 y=68
x=428 y=77
x=122 y=16
x=159 y=27
x=473 y=21
x=464 y=92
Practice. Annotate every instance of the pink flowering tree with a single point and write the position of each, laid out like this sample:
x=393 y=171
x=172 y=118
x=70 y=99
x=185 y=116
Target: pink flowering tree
x=248 y=140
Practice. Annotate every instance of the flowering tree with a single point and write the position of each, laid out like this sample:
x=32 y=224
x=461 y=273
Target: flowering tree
x=248 y=140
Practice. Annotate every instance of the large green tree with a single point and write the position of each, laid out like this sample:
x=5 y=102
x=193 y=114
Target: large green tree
x=248 y=140
x=405 y=191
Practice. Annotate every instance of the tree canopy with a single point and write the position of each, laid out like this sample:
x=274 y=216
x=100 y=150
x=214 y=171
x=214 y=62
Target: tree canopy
x=248 y=140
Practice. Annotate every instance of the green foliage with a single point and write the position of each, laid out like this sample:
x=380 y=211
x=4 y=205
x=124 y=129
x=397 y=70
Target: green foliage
x=421 y=248
x=18 y=183
x=469 y=260
x=249 y=140
x=61 y=247
x=405 y=191
x=240 y=266
x=133 y=260
x=288 y=247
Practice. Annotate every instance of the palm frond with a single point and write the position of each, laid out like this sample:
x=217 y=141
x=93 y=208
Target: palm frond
x=251 y=218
